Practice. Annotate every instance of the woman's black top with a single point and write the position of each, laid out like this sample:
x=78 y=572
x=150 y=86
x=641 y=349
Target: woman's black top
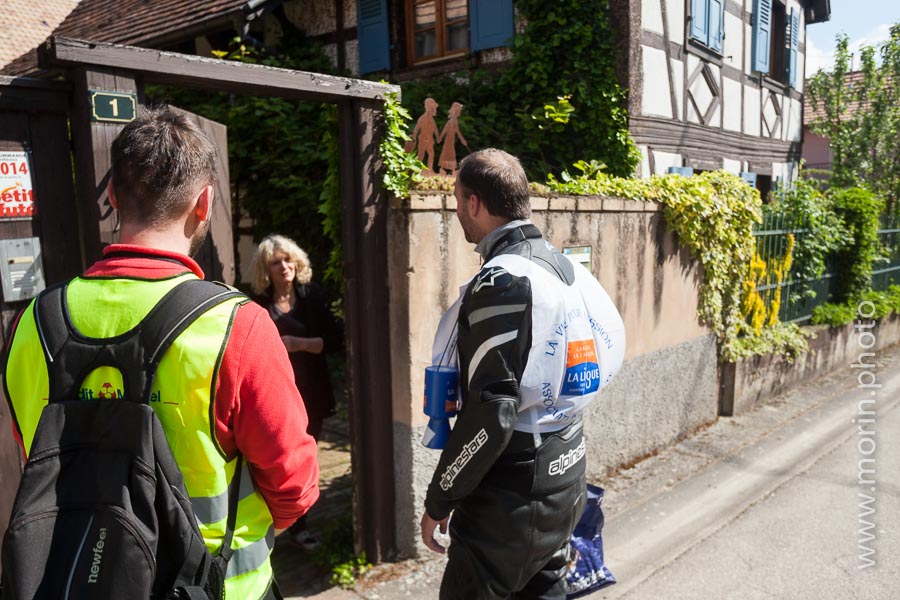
x=311 y=317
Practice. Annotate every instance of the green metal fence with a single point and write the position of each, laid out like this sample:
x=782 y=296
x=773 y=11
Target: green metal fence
x=799 y=296
x=887 y=271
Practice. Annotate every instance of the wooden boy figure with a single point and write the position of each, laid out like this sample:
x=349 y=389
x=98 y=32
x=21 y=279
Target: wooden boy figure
x=424 y=134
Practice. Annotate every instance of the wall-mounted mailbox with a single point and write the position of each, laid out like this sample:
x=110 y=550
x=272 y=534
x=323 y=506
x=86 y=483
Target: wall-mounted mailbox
x=21 y=269
x=581 y=254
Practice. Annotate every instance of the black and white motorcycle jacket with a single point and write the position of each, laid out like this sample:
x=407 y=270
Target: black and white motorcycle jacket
x=537 y=337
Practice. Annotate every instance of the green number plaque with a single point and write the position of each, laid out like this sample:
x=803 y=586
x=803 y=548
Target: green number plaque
x=114 y=107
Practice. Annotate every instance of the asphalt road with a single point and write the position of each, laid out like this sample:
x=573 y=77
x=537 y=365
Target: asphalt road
x=800 y=524
x=764 y=505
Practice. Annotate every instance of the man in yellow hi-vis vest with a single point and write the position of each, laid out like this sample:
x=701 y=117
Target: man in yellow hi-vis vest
x=225 y=386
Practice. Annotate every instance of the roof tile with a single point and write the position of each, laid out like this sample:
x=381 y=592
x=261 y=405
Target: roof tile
x=130 y=22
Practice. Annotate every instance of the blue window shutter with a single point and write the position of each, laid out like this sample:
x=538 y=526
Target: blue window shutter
x=716 y=23
x=700 y=20
x=794 y=47
x=685 y=171
x=762 y=34
x=490 y=24
x=750 y=178
x=374 y=37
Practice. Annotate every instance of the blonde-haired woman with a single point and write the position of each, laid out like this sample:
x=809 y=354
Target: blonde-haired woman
x=282 y=277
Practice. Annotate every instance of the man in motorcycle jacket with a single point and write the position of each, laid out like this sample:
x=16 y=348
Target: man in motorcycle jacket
x=535 y=338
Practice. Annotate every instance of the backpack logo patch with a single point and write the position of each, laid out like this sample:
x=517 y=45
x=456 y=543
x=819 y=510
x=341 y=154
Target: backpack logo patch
x=582 y=369
x=105 y=383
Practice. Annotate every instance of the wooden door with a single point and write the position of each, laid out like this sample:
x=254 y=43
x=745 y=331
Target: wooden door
x=216 y=256
x=34 y=132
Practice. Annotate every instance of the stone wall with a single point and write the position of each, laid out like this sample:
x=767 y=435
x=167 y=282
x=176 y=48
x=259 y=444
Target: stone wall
x=667 y=387
x=752 y=381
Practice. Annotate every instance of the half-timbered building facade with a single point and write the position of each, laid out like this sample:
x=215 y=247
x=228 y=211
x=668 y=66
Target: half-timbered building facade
x=719 y=85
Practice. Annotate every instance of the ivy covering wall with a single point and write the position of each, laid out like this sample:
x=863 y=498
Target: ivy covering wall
x=556 y=102
x=282 y=155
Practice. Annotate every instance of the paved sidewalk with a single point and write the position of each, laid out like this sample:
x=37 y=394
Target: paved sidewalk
x=666 y=506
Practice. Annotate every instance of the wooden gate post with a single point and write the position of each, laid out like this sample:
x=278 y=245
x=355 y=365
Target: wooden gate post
x=365 y=249
x=97 y=220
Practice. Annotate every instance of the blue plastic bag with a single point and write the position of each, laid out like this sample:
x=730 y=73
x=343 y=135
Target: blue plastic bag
x=587 y=571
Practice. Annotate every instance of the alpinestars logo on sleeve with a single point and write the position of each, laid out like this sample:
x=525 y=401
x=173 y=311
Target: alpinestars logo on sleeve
x=463 y=459
x=488 y=278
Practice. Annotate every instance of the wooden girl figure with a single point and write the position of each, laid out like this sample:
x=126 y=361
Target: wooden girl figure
x=424 y=134
x=447 y=161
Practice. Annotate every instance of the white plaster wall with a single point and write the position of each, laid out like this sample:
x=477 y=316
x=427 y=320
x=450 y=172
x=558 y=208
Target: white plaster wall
x=733 y=48
x=677 y=68
x=791 y=171
x=351 y=58
x=675 y=20
x=731 y=166
x=771 y=108
x=793 y=122
x=644 y=166
x=751 y=111
x=349 y=13
x=778 y=172
x=715 y=119
x=748 y=48
x=330 y=51
x=651 y=16
x=495 y=55
x=656 y=100
x=692 y=62
x=702 y=96
x=731 y=119
x=315 y=17
x=690 y=115
x=663 y=160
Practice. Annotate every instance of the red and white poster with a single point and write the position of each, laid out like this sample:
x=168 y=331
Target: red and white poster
x=16 y=191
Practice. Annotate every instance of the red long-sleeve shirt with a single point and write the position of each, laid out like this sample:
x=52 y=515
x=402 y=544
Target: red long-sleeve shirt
x=258 y=410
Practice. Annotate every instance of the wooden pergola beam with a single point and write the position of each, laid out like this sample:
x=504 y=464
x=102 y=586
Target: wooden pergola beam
x=157 y=66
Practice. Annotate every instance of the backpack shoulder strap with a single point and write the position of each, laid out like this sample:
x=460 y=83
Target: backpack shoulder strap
x=177 y=310
x=136 y=353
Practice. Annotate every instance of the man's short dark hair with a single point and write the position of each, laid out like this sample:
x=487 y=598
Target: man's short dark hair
x=158 y=161
x=499 y=181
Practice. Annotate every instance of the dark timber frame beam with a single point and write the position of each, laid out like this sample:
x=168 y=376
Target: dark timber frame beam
x=360 y=104
x=185 y=70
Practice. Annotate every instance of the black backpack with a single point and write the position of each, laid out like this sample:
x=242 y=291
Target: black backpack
x=101 y=510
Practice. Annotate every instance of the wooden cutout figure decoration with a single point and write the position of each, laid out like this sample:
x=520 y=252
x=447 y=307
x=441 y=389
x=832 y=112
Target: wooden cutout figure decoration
x=423 y=136
x=447 y=161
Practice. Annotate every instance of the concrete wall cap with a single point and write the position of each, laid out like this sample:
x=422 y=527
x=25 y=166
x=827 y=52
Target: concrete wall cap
x=595 y=203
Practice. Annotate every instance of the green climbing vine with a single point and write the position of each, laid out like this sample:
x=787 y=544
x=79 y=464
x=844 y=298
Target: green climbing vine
x=556 y=102
x=400 y=167
x=713 y=214
x=278 y=151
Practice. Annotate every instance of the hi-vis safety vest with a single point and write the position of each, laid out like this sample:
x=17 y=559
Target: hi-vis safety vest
x=182 y=396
